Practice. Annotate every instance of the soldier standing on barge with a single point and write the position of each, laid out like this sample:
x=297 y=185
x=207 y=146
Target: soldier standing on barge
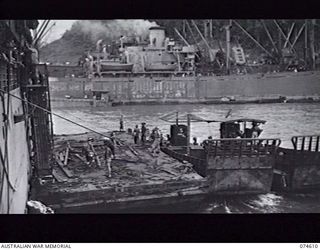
x=143 y=132
x=121 y=123
x=136 y=133
x=109 y=154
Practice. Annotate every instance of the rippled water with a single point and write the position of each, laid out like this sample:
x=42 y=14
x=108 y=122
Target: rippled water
x=283 y=121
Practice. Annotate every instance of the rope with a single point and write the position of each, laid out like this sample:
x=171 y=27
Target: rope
x=52 y=113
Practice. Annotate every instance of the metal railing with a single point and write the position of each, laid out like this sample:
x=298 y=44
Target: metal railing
x=306 y=143
x=241 y=147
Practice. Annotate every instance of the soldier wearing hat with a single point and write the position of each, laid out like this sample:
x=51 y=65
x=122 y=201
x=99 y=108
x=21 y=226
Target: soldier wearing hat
x=89 y=154
x=108 y=154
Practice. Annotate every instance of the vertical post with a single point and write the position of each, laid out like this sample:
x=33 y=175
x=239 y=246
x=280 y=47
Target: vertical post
x=306 y=41
x=177 y=118
x=228 y=47
x=197 y=87
x=179 y=65
x=279 y=41
x=184 y=28
x=302 y=144
x=317 y=144
x=205 y=26
x=313 y=57
x=310 y=143
x=188 y=134
x=210 y=28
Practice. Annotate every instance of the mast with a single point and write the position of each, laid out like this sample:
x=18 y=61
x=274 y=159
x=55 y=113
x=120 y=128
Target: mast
x=184 y=28
x=228 y=46
x=188 y=134
x=205 y=24
x=312 y=50
x=306 y=41
x=210 y=28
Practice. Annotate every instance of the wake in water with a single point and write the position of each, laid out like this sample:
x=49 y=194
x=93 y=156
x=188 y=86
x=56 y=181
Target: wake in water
x=264 y=203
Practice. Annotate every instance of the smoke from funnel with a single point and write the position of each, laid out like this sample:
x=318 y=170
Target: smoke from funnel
x=113 y=29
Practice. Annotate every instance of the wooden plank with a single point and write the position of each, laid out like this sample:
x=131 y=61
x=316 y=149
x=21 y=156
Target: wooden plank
x=63 y=168
x=60 y=177
x=66 y=156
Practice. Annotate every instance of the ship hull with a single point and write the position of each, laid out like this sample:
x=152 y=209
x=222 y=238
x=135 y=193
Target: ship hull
x=15 y=162
x=277 y=87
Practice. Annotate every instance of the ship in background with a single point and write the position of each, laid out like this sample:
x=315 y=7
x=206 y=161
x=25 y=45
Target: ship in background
x=159 y=70
x=160 y=55
x=26 y=132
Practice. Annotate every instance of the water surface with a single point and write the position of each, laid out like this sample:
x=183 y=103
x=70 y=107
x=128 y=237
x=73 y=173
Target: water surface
x=284 y=120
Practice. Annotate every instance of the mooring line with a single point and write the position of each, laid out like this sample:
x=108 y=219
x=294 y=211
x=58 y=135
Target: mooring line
x=50 y=112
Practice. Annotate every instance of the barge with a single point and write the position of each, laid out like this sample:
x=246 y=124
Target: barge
x=139 y=179
x=144 y=180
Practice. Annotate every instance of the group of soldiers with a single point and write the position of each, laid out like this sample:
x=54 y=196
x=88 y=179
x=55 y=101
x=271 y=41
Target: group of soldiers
x=155 y=136
x=139 y=135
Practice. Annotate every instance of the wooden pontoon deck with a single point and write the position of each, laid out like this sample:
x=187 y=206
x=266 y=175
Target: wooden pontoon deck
x=138 y=178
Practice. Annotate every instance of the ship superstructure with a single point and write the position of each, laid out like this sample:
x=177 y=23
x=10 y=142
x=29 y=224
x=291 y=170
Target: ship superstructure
x=160 y=55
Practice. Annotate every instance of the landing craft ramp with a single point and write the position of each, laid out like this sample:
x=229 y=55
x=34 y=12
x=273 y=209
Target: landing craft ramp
x=299 y=167
x=233 y=166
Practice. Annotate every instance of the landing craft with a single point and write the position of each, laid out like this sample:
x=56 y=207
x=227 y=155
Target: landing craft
x=242 y=162
x=236 y=163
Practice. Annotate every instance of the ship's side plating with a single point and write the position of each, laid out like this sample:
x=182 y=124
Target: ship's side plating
x=15 y=166
x=15 y=163
x=18 y=143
